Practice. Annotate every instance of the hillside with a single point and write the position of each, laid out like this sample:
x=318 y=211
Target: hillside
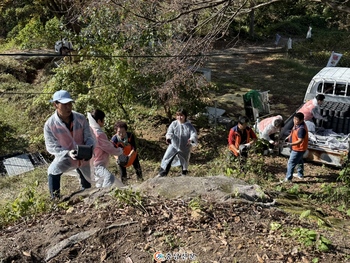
x=290 y=224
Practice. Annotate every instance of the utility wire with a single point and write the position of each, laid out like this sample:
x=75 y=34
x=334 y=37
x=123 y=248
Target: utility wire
x=139 y=56
x=34 y=93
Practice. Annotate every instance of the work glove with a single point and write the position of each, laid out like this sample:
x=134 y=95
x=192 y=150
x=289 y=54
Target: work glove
x=289 y=144
x=168 y=141
x=243 y=148
x=120 y=151
x=73 y=154
x=123 y=160
x=247 y=145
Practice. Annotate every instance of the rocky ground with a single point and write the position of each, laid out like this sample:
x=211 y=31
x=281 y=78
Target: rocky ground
x=197 y=226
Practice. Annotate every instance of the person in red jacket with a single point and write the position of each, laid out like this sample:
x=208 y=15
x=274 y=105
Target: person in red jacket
x=241 y=137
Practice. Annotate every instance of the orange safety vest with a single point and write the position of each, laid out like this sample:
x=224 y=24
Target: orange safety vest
x=303 y=146
x=126 y=151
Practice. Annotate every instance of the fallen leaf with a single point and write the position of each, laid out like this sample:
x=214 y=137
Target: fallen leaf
x=27 y=253
x=70 y=210
x=294 y=251
x=103 y=255
x=193 y=229
x=128 y=260
x=259 y=258
x=196 y=215
x=147 y=246
x=224 y=242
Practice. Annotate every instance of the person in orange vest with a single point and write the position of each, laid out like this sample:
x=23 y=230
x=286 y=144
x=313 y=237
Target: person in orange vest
x=298 y=140
x=241 y=137
x=269 y=127
x=311 y=109
x=126 y=140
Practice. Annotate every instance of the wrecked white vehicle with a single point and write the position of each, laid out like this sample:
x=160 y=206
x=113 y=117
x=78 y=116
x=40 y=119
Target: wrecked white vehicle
x=329 y=142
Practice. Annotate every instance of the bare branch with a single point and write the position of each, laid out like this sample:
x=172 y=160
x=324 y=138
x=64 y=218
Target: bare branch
x=336 y=5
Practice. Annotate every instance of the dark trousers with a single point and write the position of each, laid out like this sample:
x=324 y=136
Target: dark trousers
x=137 y=166
x=164 y=172
x=55 y=184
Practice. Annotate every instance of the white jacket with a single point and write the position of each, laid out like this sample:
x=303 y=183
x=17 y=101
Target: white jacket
x=179 y=134
x=59 y=141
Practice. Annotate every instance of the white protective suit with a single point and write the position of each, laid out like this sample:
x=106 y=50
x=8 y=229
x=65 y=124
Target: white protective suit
x=59 y=141
x=102 y=151
x=266 y=128
x=179 y=134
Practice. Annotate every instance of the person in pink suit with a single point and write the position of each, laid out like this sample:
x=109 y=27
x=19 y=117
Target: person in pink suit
x=311 y=108
x=269 y=127
x=63 y=132
x=104 y=148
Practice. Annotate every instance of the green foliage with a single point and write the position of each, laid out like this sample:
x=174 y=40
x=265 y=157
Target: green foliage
x=294 y=189
x=12 y=71
x=292 y=18
x=332 y=192
x=173 y=241
x=8 y=140
x=31 y=34
x=108 y=84
x=54 y=31
x=344 y=174
x=14 y=124
x=101 y=28
x=14 y=15
x=195 y=203
x=275 y=226
x=309 y=238
x=318 y=50
x=36 y=34
x=305 y=214
x=130 y=198
x=28 y=203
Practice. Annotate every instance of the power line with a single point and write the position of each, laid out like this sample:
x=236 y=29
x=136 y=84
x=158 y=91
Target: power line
x=90 y=56
x=26 y=93
x=140 y=56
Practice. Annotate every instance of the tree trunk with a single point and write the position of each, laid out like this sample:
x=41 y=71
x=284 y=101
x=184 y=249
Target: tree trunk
x=251 y=24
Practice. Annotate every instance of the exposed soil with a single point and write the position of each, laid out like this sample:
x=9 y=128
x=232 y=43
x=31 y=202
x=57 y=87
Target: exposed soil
x=98 y=227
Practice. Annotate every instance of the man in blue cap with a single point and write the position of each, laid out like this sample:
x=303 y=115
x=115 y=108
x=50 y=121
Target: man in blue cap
x=63 y=132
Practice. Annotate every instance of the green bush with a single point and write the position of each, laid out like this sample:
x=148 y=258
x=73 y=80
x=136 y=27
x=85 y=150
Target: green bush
x=37 y=35
x=28 y=203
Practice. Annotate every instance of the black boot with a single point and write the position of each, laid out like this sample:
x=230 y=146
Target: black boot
x=139 y=175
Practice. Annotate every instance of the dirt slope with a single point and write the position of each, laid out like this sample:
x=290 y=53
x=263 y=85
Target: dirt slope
x=97 y=228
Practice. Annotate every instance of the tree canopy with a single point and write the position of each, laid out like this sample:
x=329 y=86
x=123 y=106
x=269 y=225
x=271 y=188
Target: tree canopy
x=148 y=51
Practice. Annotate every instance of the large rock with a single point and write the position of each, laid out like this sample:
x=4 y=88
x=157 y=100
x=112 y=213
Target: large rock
x=217 y=188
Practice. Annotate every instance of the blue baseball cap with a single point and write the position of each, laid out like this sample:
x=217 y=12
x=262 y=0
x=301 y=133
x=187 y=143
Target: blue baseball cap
x=62 y=96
